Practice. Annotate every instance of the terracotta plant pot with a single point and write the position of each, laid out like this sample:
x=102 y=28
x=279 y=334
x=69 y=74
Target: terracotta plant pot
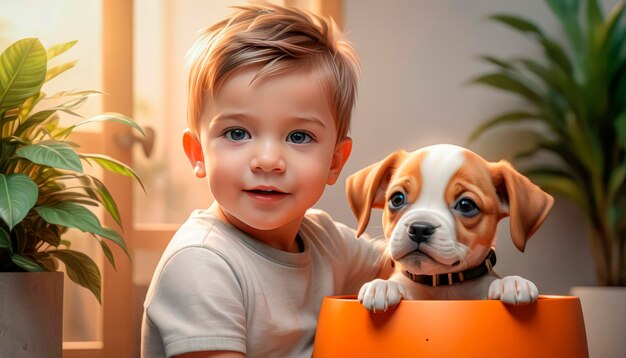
x=551 y=327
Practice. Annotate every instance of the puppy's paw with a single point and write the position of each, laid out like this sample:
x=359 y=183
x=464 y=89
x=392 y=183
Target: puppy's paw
x=513 y=290
x=378 y=295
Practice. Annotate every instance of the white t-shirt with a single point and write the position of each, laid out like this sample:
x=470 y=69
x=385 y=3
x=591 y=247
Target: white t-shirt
x=216 y=288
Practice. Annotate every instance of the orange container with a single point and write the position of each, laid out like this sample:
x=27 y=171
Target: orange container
x=551 y=327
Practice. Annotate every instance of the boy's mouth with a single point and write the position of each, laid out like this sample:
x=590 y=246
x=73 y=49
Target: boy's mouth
x=266 y=193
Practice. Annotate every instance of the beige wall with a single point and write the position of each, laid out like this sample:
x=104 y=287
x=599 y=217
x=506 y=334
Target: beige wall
x=417 y=57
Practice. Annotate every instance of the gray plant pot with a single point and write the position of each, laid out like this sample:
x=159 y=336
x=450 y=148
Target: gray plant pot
x=605 y=319
x=31 y=314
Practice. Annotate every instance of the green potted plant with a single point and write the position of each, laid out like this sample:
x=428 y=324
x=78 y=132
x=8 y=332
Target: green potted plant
x=44 y=191
x=576 y=97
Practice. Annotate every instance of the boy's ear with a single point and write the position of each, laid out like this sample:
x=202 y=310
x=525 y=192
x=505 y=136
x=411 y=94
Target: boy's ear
x=193 y=149
x=340 y=157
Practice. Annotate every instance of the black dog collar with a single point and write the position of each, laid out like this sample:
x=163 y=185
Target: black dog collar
x=451 y=278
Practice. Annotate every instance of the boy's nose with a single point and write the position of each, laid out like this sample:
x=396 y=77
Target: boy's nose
x=268 y=158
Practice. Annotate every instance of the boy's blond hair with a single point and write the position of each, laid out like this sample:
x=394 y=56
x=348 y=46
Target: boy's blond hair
x=279 y=40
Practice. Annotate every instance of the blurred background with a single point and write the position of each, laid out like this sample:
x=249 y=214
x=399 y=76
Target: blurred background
x=417 y=60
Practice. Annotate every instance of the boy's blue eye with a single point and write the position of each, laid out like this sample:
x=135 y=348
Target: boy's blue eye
x=299 y=137
x=236 y=134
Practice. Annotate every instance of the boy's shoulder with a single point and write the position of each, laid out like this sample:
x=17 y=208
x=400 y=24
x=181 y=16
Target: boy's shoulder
x=201 y=230
x=318 y=214
x=320 y=222
x=320 y=218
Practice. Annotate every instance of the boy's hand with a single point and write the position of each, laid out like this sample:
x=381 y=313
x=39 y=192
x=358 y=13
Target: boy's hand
x=378 y=295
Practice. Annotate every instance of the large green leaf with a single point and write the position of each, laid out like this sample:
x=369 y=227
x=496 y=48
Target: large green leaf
x=116 y=238
x=498 y=62
x=34 y=120
x=112 y=165
x=57 y=70
x=107 y=117
x=620 y=92
x=98 y=191
x=616 y=181
x=557 y=55
x=511 y=83
x=49 y=234
x=18 y=194
x=5 y=240
x=7 y=150
x=81 y=269
x=620 y=129
x=516 y=83
x=108 y=253
x=25 y=263
x=585 y=145
x=567 y=12
x=45 y=260
x=553 y=51
x=558 y=182
x=22 y=72
x=42 y=117
x=53 y=154
x=72 y=93
x=557 y=81
x=594 y=22
x=30 y=104
x=78 y=217
x=615 y=39
x=7 y=119
x=518 y=23
x=70 y=195
x=70 y=215
x=510 y=117
x=107 y=201
x=58 y=49
x=74 y=103
x=564 y=8
x=564 y=152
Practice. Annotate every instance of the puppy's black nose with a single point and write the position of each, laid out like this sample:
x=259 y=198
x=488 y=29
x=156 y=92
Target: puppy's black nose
x=420 y=231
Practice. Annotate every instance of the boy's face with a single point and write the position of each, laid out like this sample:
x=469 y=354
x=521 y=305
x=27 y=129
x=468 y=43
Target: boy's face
x=269 y=149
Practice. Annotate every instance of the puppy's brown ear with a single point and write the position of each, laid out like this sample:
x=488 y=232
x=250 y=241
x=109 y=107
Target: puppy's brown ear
x=366 y=188
x=528 y=205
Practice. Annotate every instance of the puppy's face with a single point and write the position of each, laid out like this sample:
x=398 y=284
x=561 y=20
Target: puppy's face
x=442 y=205
x=440 y=217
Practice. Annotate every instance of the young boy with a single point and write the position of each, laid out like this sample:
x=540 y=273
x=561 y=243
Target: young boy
x=271 y=93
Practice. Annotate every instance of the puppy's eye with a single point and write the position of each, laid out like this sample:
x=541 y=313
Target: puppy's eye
x=397 y=200
x=467 y=207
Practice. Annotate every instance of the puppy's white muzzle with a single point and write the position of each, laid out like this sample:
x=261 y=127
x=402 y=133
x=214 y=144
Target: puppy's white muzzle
x=424 y=241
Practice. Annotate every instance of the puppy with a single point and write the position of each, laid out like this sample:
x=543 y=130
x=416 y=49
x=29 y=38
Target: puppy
x=441 y=205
